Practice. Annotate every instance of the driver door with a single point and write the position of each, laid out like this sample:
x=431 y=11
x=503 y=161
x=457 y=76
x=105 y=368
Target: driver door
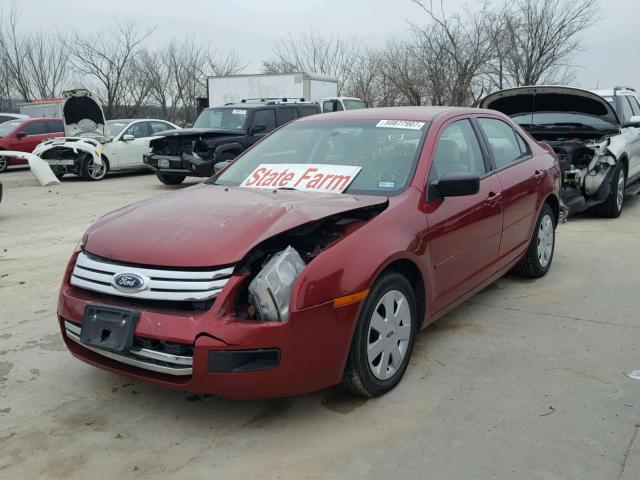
x=466 y=230
x=130 y=151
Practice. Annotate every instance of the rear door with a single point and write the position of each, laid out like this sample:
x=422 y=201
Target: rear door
x=466 y=230
x=511 y=157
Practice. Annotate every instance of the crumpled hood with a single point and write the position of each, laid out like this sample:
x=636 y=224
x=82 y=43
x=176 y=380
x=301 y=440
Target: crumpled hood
x=209 y=225
x=550 y=98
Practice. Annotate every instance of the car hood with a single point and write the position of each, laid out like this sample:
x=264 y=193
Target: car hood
x=82 y=114
x=209 y=225
x=550 y=98
x=201 y=133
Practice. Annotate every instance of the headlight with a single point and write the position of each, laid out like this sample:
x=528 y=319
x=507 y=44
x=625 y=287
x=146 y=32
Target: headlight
x=270 y=291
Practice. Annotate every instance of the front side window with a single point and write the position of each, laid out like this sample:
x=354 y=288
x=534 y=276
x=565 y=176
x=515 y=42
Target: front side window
x=502 y=141
x=266 y=118
x=35 y=128
x=457 y=151
x=7 y=127
x=387 y=155
x=331 y=106
x=138 y=130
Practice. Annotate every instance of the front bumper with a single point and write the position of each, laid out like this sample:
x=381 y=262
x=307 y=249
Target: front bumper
x=230 y=357
x=179 y=165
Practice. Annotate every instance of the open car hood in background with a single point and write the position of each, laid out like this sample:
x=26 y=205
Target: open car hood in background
x=82 y=114
x=550 y=98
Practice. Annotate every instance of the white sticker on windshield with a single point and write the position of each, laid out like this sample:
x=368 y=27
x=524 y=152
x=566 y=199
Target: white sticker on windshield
x=239 y=112
x=382 y=184
x=406 y=124
x=307 y=177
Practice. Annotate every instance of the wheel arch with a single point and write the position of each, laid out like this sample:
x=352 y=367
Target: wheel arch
x=554 y=203
x=412 y=273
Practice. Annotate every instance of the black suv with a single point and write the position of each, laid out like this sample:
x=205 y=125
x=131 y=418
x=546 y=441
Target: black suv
x=219 y=135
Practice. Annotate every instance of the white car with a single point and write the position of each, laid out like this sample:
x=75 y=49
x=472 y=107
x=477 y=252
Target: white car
x=595 y=135
x=92 y=147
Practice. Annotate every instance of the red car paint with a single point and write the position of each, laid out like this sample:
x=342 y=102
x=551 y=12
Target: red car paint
x=28 y=134
x=458 y=245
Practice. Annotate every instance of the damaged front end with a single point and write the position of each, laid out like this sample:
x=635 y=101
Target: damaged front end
x=70 y=155
x=588 y=169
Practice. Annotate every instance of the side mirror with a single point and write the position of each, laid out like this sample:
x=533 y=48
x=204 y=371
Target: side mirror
x=260 y=127
x=457 y=184
x=633 y=122
x=20 y=135
x=127 y=138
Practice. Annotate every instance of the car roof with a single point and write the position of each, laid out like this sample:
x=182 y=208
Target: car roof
x=252 y=105
x=609 y=92
x=420 y=114
x=129 y=120
x=48 y=119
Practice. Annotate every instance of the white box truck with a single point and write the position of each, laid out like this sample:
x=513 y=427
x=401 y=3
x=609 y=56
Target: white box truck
x=312 y=87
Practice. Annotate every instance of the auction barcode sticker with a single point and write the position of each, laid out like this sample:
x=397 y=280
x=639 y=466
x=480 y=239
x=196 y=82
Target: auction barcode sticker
x=406 y=124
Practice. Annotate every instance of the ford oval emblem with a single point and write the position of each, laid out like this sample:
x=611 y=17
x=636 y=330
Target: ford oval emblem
x=130 y=282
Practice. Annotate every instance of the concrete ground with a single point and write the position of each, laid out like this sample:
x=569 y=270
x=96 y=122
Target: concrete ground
x=525 y=381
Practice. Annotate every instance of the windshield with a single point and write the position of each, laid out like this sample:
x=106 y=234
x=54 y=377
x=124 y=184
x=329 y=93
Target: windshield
x=8 y=127
x=353 y=104
x=225 y=118
x=563 y=119
x=387 y=155
x=114 y=127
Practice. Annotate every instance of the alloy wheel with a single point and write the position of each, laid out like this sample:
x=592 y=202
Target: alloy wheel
x=545 y=240
x=4 y=163
x=96 y=171
x=389 y=334
x=620 y=192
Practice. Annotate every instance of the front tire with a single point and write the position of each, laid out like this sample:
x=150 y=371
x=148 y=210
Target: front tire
x=92 y=171
x=171 y=179
x=537 y=260
x=612 y=206
x=383 y=339
x=4 y=164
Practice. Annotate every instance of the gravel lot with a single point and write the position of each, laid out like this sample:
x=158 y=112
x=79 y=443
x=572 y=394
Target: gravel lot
x=527 y=380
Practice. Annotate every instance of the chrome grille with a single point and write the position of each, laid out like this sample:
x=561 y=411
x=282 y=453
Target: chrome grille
x=146 y=358
x=97 y=274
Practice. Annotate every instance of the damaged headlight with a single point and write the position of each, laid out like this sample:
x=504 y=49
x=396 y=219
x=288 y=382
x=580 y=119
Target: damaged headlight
x=270 y=291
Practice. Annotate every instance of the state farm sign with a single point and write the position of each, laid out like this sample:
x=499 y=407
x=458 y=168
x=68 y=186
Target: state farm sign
x=311 y=177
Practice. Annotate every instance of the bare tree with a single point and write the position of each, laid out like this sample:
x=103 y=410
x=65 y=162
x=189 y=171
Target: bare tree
x=543 y=36
x=47 y=63
x=105 y=57
x=12 y=53
x=311 y=52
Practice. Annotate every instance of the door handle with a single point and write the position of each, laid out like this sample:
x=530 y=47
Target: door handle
x=493 y=198
x=539 y=175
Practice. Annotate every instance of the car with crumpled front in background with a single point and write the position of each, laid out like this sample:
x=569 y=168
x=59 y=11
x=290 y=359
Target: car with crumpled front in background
x=316 y=256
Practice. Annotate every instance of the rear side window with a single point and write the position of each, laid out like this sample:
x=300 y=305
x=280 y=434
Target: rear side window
x=35 y=128
x=504 y=142
x=457 y=151
x=286 y=114
x=55 y=127
x=306 y=111
x=331 y=106
x=265 y=117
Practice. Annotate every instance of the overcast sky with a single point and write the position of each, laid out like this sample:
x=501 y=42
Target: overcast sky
x=611 y=55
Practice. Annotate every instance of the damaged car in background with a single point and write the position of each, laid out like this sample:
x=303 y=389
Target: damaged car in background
x=599 y=154
x=92 y=146
x=315 y=257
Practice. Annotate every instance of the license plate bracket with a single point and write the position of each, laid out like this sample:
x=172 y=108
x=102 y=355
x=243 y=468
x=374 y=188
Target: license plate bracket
x=109 y=328
x=163 y=163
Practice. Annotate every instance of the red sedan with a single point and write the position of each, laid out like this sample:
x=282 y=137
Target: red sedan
x=316 y=256
x=23 y=135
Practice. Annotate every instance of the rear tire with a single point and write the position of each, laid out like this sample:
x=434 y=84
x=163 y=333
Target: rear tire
x=612 y=206
x=92 y=171
x=386 y=329
x=538 y=257
x=171 y=179
x=4 y=164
